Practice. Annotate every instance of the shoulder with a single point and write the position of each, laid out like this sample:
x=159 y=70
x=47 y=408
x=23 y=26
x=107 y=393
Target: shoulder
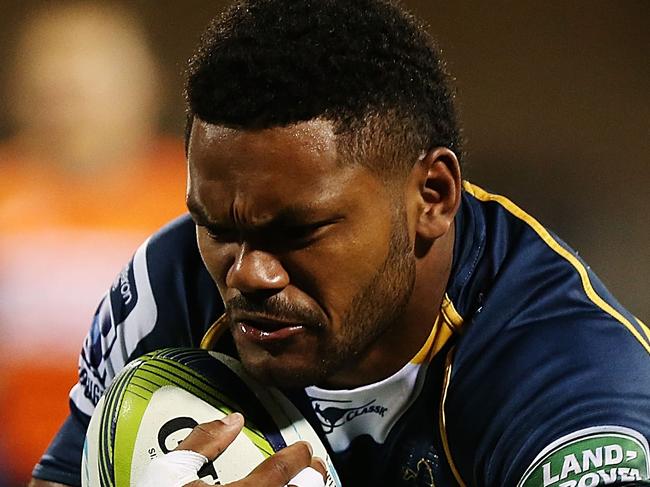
x=163 y=297
x=166 y=283
x=547 y=355
x=186 y=295
x=512 y=274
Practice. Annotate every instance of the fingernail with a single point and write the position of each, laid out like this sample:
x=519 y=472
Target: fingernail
x=311 y=450
x=322 y=462
x=233 y=419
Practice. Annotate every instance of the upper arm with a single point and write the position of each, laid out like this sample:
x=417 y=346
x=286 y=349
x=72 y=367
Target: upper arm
x=564 y=401
x=162 y=298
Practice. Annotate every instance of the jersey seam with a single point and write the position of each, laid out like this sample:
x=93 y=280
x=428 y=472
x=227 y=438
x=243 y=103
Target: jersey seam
x=442 y=420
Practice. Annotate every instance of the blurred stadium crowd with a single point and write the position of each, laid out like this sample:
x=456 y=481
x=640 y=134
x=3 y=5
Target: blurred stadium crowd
x=86 y=177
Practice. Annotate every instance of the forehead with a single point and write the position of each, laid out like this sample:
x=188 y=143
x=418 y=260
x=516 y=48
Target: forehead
x=271 y=168
x=312 y=142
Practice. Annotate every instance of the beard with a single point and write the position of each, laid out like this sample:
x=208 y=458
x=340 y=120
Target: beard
x=376 y=308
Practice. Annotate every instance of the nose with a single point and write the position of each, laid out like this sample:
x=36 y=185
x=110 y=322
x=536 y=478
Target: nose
x=255 y=270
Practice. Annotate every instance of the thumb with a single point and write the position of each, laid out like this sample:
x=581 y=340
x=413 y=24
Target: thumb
x=211 y=439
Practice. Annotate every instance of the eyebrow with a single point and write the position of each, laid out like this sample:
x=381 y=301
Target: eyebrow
x=288 y=216
x=197 y=211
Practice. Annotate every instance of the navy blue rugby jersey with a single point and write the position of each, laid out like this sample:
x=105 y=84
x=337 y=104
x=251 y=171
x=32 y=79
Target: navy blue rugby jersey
x=533 y=375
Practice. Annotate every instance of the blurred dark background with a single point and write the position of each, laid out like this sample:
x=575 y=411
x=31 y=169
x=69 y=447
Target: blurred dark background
x=554 y=98
x=554 y=101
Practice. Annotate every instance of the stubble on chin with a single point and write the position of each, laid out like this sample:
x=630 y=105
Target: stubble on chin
x=273 y=371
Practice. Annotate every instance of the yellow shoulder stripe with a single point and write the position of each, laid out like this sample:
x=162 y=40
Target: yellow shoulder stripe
x=644 y=327
x=453 y=321
x=553 y=244
x=450 y=316
x=215 y=332
x=423 y=353
x=447 y=323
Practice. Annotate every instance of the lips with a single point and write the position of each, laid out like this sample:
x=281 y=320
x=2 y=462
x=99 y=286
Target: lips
x=262 y=329
x=266 y=324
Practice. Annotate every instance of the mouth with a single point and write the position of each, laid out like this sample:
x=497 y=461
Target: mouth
x=263 y=329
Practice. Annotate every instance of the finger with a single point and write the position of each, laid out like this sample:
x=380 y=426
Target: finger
x=313 y=476
x=280 y=468
x=211 y=439
x=319 y=465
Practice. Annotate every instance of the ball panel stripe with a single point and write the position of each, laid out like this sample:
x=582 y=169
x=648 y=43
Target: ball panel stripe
x=205 y=366
x=107 y=432
x=248 y=386
x=129 y=416
x=192 y=382
x=108 y=426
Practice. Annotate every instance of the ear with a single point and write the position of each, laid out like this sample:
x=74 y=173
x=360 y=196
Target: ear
x=435 y=189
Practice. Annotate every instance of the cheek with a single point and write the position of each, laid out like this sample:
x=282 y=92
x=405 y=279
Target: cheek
x=336 y=271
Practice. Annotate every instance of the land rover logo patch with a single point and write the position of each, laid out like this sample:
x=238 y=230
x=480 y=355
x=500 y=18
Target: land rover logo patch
x=594 y=456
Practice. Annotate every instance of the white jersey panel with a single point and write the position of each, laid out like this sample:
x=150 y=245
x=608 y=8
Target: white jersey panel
x=126 y=315
x=369 y=410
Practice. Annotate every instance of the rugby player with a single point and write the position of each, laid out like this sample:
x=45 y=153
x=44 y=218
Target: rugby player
x=433 y=333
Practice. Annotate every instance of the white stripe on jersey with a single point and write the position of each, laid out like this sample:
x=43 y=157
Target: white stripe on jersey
x=118 y=340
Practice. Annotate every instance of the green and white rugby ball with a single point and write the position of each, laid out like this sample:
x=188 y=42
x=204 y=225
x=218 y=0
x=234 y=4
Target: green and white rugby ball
x=154 y=403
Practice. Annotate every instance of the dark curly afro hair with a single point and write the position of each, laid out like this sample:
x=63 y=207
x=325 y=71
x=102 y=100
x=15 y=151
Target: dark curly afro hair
x=366 y=65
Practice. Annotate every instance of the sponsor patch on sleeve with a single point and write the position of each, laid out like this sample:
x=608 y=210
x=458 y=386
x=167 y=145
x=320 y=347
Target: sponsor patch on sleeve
x=602 y=455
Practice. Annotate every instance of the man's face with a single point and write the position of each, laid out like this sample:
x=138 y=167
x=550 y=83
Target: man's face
x=311 y=257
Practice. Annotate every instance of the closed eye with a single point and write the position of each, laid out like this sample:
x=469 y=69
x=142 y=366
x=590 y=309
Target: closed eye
x=302 y=232
x=276 y=236
x=221 y=234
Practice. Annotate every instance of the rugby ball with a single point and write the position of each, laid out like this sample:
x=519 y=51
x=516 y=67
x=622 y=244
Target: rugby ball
x=156 y=400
